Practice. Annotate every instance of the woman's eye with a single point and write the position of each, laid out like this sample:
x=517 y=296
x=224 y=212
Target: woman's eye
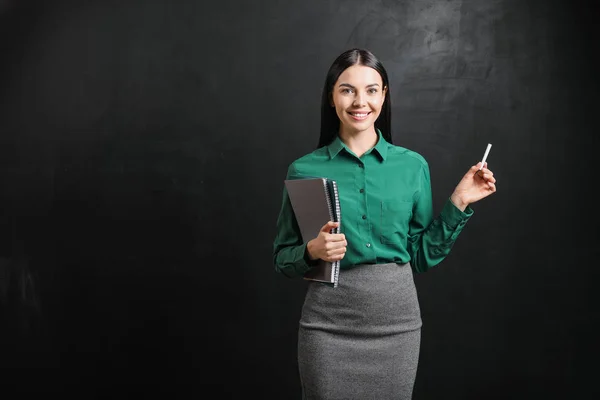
x=346 y=90
x=372 y=91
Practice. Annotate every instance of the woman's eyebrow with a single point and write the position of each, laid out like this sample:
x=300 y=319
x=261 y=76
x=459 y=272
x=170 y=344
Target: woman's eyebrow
x=352 y=87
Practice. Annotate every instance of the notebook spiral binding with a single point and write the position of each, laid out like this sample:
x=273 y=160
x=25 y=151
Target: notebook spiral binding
x=328 y=196
x=331 y=189
x=338 y=217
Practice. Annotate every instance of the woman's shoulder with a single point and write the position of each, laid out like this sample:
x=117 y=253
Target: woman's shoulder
x=308 y=162
x=311 y=159
x=406 y=154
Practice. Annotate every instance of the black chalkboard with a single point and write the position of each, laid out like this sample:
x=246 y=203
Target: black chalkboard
x=130 y=262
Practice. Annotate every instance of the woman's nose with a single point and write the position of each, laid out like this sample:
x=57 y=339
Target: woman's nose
x=359 y=100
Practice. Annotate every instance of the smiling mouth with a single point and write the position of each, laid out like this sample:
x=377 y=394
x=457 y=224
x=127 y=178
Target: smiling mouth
x=359 y=115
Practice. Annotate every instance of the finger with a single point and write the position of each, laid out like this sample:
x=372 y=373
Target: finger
x=335 y=252
x=329 y=226
x=335 y=245
x=476 y=169
x=486 y=177
x=335 y=237
x=487 y=171
x=335 y=257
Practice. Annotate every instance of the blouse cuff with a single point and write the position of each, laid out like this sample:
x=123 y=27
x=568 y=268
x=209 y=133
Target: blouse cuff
x=302 y=262
x=453 y=217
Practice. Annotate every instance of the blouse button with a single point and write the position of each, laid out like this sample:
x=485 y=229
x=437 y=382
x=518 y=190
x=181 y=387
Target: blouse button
x=362 y=190
x=368 y=244
x=364 y=217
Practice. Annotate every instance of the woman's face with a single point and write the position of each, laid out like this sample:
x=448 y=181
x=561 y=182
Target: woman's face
x=358 y=96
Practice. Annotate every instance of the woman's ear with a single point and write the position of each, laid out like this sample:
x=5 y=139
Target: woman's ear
x=384 y=93
x=331 y=103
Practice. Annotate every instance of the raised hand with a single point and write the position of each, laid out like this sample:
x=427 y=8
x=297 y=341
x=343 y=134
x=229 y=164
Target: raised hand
x=475 y=185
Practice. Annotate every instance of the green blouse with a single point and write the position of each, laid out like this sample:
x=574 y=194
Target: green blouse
x=386 y=208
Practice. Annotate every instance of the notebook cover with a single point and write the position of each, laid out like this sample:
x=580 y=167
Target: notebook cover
x=313 y=207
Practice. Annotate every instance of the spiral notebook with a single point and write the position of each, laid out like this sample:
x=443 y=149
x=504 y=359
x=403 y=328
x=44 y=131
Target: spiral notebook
x=316 y=201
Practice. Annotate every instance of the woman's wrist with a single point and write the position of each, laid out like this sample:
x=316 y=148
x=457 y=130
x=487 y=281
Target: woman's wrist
x=458 y=202
x=309 y=253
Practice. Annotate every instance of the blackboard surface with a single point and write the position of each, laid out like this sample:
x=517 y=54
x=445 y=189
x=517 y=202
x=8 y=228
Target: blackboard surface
x=130 y=266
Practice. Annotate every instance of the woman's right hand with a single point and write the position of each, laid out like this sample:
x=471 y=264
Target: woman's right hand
x=327 y=246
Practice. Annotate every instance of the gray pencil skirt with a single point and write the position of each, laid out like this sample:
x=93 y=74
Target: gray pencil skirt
x=361 y=340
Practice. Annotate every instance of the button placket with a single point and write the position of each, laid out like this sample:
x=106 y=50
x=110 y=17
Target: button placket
x=365 y=231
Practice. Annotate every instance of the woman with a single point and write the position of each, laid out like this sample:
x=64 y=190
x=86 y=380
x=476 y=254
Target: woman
x=361 y=339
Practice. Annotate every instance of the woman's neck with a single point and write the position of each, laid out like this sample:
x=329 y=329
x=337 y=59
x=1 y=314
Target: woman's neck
x=359 y=142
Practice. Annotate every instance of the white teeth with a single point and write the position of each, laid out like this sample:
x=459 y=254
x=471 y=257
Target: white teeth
x=359 y=115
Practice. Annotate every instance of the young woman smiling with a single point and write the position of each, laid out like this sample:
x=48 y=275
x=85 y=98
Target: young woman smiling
x=361 y=339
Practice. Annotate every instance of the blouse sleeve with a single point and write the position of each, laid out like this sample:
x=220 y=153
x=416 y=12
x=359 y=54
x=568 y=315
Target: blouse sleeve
x=289 y=251
x=431 y=239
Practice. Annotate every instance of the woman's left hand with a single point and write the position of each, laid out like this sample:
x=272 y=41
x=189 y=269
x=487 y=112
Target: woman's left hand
x=475 y=185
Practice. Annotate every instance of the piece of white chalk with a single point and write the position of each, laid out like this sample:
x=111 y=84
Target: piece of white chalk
x=487 y=150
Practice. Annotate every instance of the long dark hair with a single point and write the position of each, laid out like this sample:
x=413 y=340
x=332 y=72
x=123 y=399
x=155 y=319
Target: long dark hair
x=330 y=123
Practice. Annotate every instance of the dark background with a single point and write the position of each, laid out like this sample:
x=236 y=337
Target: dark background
x=143 y=147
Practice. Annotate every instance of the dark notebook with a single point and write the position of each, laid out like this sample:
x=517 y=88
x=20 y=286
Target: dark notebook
x=315 y=201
